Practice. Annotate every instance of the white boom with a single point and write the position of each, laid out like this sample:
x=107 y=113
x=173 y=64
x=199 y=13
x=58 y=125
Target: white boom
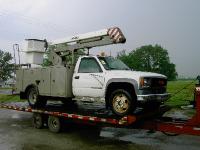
x=84 y=41
x=114 y=34
x=35 y=48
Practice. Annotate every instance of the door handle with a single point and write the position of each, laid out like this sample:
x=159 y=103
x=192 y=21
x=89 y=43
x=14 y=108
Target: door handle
x=76 y=77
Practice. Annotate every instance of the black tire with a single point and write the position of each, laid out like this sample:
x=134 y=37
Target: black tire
x=54 y=124
x=38 y=121
x=127 y=101
x=34 y=99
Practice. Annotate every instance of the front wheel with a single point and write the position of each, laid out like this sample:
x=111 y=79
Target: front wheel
x=122 y=103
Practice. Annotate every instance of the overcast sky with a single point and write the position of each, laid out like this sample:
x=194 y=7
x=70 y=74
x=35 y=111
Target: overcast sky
x=173 y=24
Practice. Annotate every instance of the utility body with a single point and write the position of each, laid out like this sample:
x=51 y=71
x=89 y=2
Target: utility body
x=74 y=73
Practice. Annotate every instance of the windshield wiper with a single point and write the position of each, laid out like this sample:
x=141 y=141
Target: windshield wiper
x=114 y=68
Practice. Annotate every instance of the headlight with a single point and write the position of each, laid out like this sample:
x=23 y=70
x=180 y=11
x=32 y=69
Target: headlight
x=145 y=82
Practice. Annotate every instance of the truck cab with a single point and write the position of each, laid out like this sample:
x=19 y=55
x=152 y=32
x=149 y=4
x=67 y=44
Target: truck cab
x=121 y=87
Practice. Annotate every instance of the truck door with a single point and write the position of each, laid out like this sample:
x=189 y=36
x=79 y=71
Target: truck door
x=88 y=78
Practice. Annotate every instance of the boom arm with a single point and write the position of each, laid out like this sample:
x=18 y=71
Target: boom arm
x=63 y=47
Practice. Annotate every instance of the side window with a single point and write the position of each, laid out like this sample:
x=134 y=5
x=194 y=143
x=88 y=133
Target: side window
x=89 y=65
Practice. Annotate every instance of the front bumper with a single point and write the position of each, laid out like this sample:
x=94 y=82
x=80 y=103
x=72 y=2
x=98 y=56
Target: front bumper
x=153 y=97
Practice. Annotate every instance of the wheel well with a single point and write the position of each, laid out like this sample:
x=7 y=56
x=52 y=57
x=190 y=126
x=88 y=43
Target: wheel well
x=27 y=89
x=119 y=85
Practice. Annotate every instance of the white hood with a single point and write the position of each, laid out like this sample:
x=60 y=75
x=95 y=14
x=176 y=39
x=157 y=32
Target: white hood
x=132 y=74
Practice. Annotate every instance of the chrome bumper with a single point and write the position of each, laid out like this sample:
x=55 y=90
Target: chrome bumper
x=153 y=97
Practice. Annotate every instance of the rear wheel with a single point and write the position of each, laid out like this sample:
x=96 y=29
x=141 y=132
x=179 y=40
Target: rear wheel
x=122 y=103
x=33 y=98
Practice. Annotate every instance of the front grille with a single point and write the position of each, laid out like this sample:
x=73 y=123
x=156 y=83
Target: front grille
x=158 y=82
x=156 y=86
x=160 y=90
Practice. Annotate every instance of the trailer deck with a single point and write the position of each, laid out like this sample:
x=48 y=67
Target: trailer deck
x=98 y=115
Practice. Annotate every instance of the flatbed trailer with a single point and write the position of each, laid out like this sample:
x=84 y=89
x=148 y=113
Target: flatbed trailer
x=53 y=115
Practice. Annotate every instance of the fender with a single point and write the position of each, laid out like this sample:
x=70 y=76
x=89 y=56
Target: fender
x=123 y=80
x=23 y=94
x=29 y=86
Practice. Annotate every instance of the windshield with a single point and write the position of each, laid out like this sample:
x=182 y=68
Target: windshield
x=111 y=63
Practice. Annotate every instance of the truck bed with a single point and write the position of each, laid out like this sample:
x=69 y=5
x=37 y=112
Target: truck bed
x=50 y=81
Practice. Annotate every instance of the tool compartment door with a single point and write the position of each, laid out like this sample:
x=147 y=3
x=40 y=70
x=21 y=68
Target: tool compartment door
x=19 y=80
x=44 y=85
x=58 y=77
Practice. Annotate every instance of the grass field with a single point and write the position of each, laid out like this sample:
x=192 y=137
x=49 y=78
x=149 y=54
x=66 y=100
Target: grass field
x=9 y=98
x=181 y=98
x=181 y=92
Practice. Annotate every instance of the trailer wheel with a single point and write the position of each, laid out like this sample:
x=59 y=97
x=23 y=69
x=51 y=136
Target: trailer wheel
x=122 y=103
x=33 y=98
x=54 y=124
x=37 y=121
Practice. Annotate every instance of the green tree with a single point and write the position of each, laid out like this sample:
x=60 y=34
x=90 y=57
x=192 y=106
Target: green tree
x=6 y=68
x=46 y=61
x=150 y=58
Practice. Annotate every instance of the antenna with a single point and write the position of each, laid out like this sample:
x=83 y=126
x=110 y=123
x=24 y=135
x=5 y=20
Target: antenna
x=14 y=58
x=16 y=48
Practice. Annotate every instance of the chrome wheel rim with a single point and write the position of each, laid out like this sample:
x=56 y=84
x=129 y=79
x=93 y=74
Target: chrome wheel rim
x=120 y=103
